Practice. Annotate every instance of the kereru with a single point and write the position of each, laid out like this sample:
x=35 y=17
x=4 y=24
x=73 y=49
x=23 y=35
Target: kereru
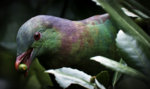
x=61 y=42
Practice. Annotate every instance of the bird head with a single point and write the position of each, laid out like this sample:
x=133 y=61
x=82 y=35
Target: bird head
x=32 y=37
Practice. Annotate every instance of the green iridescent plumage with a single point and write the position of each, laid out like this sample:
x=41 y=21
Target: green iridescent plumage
x=64 y=42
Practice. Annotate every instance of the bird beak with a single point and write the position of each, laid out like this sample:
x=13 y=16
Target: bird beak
x=25 y=58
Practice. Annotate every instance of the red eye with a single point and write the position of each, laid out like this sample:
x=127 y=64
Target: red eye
x=37 y=35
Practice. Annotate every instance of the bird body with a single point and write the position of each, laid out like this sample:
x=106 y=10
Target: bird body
x=60 y=42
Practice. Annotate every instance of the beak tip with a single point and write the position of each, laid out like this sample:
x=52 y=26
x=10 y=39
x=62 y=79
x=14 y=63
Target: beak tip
x=16 y=66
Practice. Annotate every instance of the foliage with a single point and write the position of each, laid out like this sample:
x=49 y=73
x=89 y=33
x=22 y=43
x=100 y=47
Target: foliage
x=117 y=66
x=123 y=21
x=67 y=76
x=133 y=44
x=117 y=74
x=132 y=52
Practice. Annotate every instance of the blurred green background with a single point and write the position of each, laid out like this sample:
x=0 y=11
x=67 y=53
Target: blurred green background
x=15 y=12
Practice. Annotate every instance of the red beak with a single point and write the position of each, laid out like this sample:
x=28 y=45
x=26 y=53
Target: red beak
x=25 y=58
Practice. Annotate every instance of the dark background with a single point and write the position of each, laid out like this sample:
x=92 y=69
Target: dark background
x=13 y=13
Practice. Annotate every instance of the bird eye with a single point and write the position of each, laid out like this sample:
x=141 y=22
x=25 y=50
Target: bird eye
x=37 y=35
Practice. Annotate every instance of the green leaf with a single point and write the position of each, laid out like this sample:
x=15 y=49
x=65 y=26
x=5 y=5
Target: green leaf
x=129 y=13
x=123 y=21
x=117 y=74
x=118 y=66
x=67 y=76
x=137 y=8
x=103 y=78
x=97 y=3
x=8 y=45
x=132 y=52
x=134 y=10
x=99 y=85
x=43 y=78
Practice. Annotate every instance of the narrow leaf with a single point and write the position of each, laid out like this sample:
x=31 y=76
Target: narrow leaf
x=123 y=21
x=117 y=66
x=117 y=74
x=97 y=3
x=67 y=76
x=138 y=7
x=128 y=13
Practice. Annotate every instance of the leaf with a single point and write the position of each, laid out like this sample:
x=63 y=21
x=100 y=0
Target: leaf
x=67 y=76
x=43 y=78
x=97 y=3
x=129 y=13
x=117 y=74
x=8 y=45
x=137 y=8
x=99 y=85
x=103 y=78
x=118 y=66
x=124 y=22
x=131 y=9
x=132 y=52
